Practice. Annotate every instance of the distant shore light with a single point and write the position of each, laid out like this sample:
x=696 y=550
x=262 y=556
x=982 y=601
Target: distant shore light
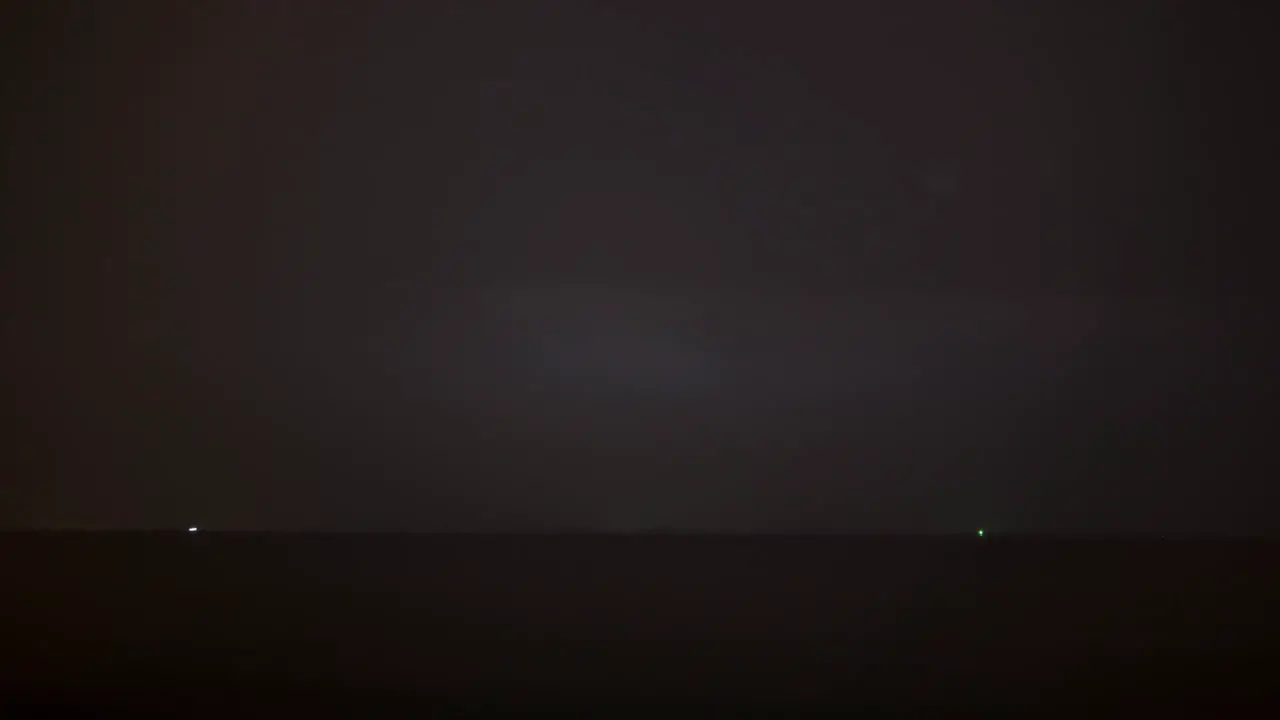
x=192 y=529
x=981 y=532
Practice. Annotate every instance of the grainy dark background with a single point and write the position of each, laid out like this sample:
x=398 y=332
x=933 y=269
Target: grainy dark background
x=619 y=266
x=870 y=267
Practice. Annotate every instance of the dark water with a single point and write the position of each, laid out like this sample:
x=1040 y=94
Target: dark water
x=213 y=621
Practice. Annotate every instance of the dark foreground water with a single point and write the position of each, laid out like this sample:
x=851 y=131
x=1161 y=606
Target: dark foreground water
x=236 y=623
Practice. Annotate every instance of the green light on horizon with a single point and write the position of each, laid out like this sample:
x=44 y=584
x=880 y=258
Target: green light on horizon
x=981 y=532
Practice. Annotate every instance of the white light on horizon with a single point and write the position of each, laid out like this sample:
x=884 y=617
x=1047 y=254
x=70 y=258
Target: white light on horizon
x=191 y=529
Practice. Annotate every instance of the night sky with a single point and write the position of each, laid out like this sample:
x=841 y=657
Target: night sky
x=503 y=265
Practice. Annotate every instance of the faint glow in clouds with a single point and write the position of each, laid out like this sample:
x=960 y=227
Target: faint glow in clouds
x=610 y=341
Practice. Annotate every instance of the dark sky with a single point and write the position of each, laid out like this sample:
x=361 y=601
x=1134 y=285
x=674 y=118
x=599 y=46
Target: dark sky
x=478 y=265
